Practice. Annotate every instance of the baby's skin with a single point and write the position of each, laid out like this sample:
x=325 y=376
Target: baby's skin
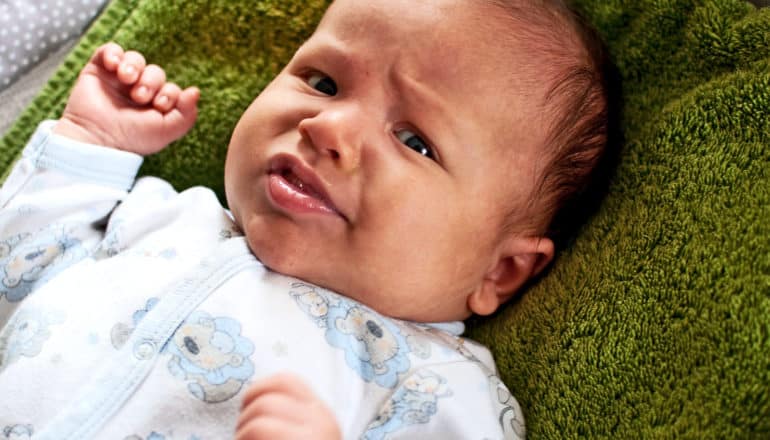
x=394 y=160
x=383 y=163
x=120 y=101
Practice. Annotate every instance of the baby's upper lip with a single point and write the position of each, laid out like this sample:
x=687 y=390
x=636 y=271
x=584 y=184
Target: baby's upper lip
x=312 y=183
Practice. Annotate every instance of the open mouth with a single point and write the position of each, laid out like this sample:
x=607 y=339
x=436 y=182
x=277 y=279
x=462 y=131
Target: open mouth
x=298 y=184
x=296 y=188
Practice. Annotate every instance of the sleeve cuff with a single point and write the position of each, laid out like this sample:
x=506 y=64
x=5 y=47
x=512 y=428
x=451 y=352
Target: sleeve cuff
x=98 y=164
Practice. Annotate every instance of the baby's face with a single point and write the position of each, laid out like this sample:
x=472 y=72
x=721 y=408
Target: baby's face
x=381 y=161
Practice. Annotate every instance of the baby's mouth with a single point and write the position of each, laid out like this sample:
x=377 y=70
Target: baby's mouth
x=295 y=187
x=293 y=180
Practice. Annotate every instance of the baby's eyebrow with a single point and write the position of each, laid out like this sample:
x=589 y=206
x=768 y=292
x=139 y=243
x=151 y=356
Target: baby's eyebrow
x=420 y=97
x=332 y=49
x=414 y=90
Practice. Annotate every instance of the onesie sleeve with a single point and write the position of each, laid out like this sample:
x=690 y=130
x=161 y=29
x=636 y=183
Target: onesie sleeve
x=53 y=206
x=50 y=160
x=458 y=400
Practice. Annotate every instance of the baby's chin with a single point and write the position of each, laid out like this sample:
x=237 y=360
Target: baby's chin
x=378 y=290
x=276 y=256
x=296 y=265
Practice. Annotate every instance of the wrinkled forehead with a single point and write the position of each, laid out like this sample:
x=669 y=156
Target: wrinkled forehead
x=378 y=16
x=433 y=38
x=452 y=47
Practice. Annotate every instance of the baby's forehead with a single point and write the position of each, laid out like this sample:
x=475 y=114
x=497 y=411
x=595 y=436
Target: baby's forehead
x=448 y=59
x=459 y=46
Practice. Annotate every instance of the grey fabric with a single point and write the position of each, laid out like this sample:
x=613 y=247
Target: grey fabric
x=16 y=97
x=32 y=30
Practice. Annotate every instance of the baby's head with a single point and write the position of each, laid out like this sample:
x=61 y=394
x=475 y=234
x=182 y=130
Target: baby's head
x=413 y=155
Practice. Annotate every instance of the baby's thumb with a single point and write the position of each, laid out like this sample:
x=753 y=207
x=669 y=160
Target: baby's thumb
x=182 y=118
x=187 y=104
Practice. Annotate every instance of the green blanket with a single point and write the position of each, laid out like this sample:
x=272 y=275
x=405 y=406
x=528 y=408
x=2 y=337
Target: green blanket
x=655 y=322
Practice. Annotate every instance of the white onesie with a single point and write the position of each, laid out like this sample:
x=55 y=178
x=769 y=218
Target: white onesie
x=131 y=311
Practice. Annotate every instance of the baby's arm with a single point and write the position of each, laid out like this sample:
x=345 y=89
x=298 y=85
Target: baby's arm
x=55 y=202
x=121 y=102
x=118 y=101
x=284 y=407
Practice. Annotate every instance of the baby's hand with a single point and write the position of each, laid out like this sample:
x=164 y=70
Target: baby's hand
x=121 y=102
x=284 y=407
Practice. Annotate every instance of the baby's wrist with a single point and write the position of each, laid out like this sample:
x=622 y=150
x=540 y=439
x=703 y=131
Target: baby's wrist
x=71 y=129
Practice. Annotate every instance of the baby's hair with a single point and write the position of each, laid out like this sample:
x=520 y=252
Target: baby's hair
x=580 y=111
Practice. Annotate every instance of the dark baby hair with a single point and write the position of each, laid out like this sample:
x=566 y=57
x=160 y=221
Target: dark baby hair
x=582 y=109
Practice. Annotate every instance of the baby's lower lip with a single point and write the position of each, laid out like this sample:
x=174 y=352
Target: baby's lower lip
x=288 y=195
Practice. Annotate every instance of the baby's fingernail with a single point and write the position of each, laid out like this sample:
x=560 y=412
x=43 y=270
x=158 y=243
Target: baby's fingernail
x=114 y=59
x=162 y=100
x=129 y=70
x=141 y=91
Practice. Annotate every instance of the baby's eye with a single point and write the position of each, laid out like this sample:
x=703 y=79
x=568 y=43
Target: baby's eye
x=415 y=142
x=323 y=84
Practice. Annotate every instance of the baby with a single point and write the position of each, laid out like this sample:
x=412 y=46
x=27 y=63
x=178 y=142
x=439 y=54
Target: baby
x=404 y=171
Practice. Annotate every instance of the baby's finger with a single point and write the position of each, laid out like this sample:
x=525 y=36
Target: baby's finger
x=131 y=67
x=166 y=97
x=282 y=383
x=267 y=429
x=109 y=55
x=150 y=81
x=270 y=405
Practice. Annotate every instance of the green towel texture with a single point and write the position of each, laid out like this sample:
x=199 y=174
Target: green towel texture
x=655 y=321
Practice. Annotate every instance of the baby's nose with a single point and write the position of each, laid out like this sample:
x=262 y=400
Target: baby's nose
x=336 y=133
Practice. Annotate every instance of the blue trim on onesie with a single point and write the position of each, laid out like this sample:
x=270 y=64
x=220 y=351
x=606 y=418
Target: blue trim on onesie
x=112 y=386
x=94 y=163
x=454 y=328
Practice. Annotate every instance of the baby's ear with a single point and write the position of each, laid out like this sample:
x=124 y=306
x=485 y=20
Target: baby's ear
x=519 y=260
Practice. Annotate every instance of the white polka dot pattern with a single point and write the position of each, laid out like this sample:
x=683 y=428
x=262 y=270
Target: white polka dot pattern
x=30 y=30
